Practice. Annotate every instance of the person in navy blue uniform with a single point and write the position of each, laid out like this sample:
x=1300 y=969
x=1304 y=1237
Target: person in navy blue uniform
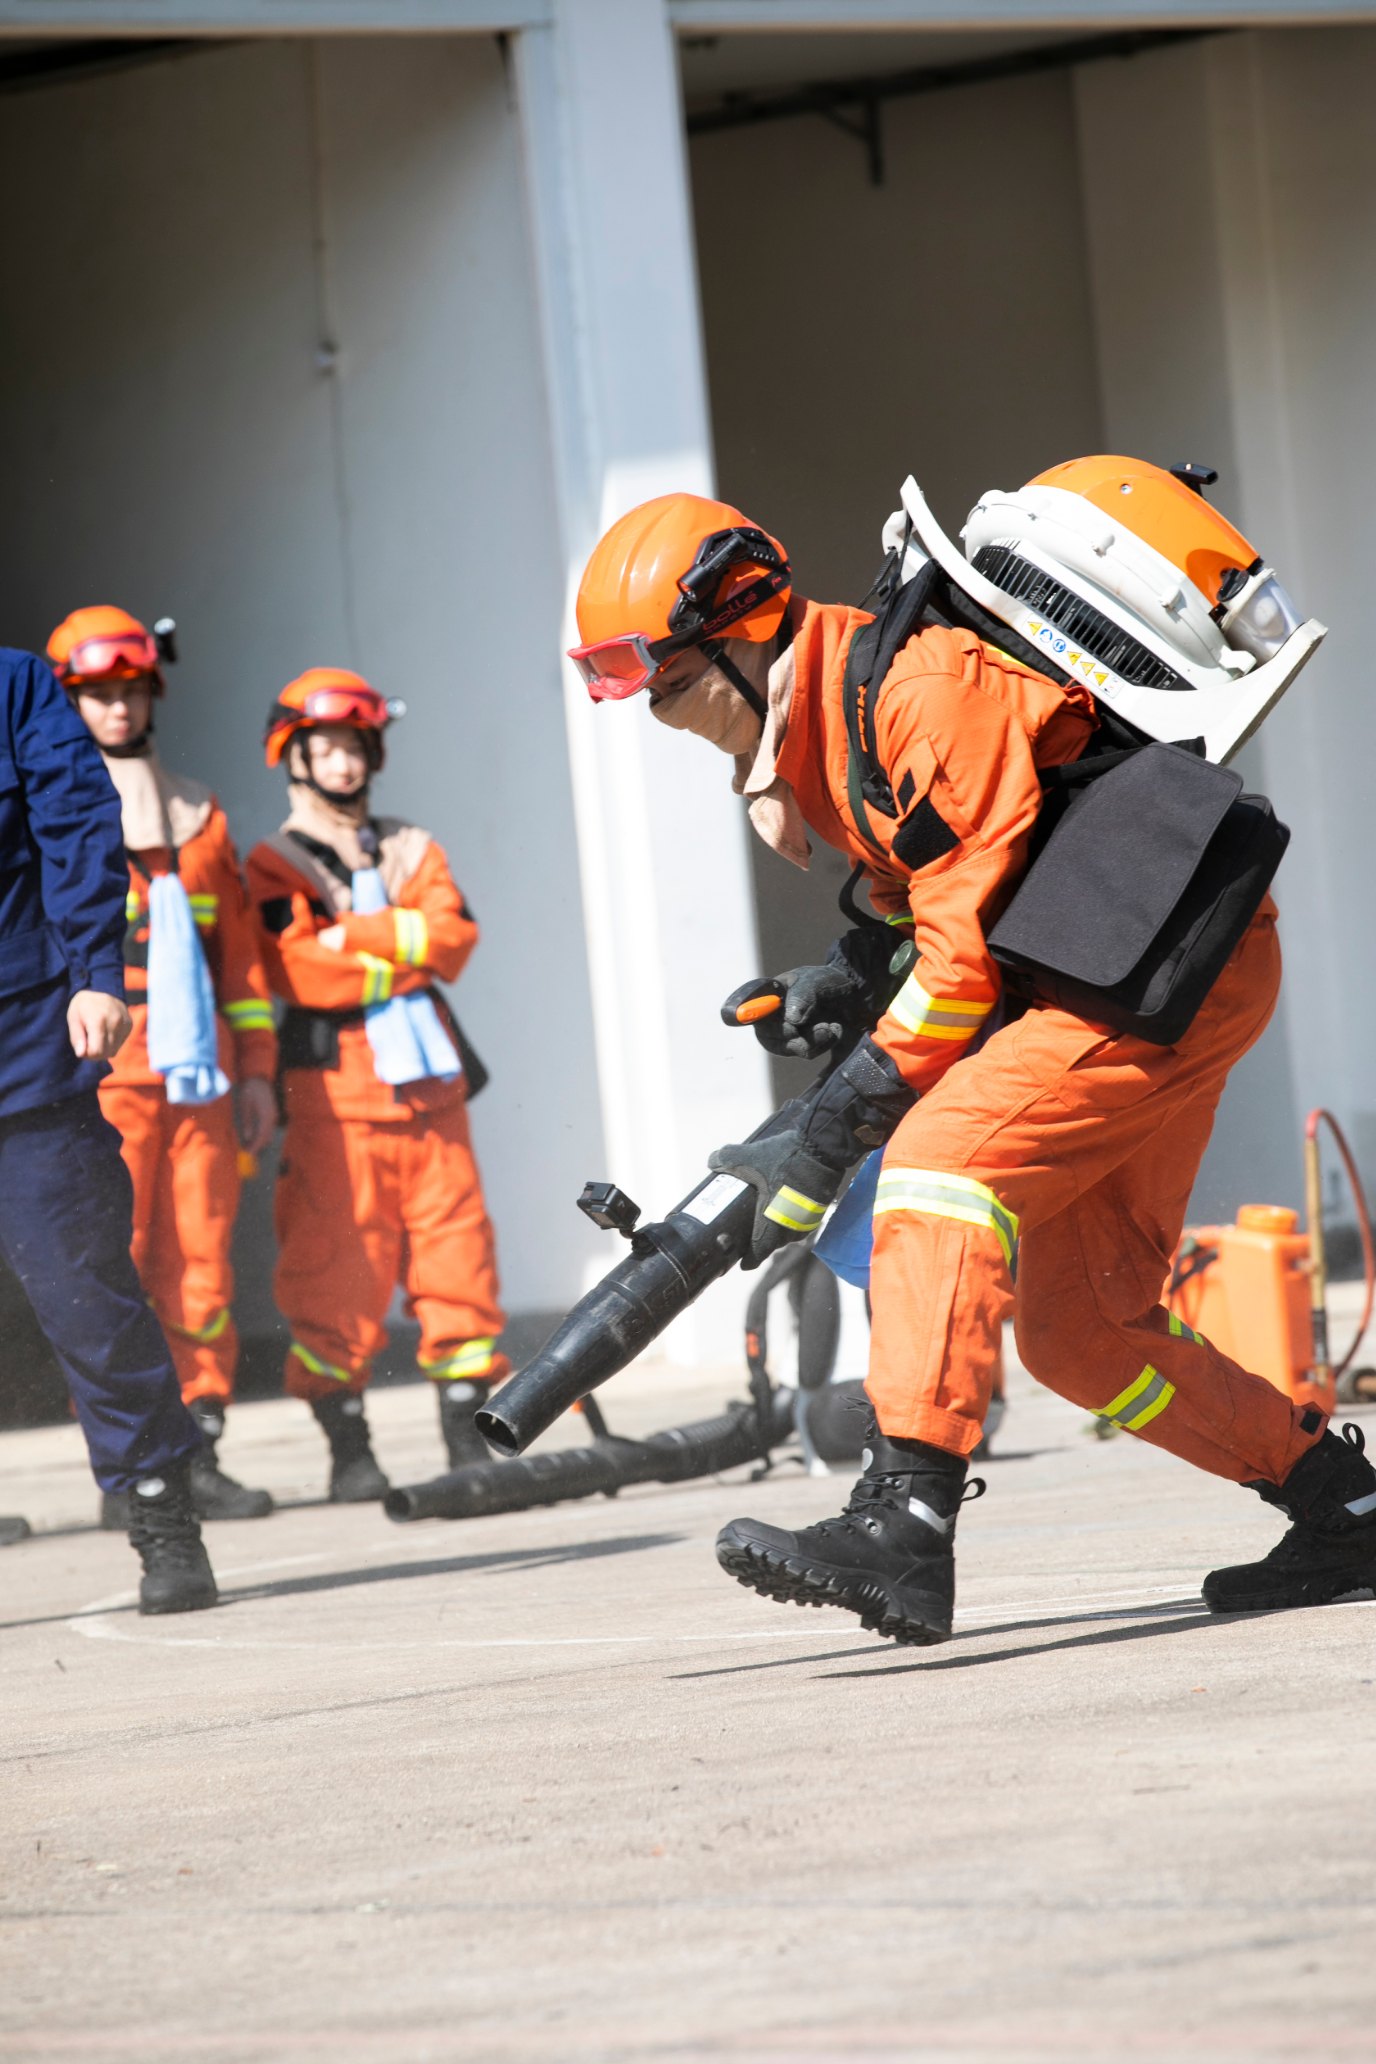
x=65 y=1195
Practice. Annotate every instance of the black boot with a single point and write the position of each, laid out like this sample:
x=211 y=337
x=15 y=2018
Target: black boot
x=12 y=1530
x=459 y=1402
x=215 y=1495
x=890 y=1556
x=163 y=1527
x=1329 y=1552
x=114 y=1512
x=355 y=1478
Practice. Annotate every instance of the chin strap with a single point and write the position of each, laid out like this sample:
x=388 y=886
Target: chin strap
x=716 y=652
x=135 y=749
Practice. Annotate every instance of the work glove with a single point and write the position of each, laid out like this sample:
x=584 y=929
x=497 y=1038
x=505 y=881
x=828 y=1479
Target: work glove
x=819 y=1005
x=797 y=1172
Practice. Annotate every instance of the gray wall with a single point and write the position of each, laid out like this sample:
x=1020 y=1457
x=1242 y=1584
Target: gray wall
x=181 y=241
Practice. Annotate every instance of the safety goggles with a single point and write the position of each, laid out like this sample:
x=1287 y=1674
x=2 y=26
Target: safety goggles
x=363 y=708
x=619 y=667
x=119 y=656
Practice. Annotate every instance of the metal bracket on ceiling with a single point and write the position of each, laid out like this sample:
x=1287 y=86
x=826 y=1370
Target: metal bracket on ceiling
x=867 y=129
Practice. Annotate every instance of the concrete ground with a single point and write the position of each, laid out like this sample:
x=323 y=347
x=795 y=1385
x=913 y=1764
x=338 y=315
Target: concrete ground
x=550 y=1787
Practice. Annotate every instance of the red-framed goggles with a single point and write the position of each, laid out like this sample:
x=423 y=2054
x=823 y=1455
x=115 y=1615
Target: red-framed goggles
x=362 y=707
x=619 y=667
x=120 y=656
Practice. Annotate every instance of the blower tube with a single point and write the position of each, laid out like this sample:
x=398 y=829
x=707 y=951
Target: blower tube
x=670 y=1264
x=702 y=1448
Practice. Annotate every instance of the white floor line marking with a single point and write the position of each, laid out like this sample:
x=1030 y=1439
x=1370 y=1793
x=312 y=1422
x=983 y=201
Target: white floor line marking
x=93 y=1624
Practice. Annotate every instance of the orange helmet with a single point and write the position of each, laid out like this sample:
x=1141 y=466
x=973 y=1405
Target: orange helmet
x=1167 y=510
x=674 y=572
x=327 y=695
x=105 y=644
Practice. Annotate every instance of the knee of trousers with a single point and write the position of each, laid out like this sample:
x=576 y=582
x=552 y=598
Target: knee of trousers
x=1039 y=1331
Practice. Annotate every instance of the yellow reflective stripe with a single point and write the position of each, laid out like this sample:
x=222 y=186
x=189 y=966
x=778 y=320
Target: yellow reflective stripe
x=792 y=1209
x=936 y=1017
x=947 y=1196
x=317 y=1367
x=1181 y=1331
x=250 y=1014
x=1145 y=1397
x=906 y=918
x=377 y=979
x=205 y=907
x=133 y=905
x=474 y=1358
x=211 y=1330
x=412 y=937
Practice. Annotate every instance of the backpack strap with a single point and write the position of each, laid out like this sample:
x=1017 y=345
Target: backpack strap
x=872 y=653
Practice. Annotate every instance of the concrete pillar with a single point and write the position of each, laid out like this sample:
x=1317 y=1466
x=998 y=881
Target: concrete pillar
x=667 y=900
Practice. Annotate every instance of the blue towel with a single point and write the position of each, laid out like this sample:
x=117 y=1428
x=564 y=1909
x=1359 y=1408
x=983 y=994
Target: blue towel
x=409 y=1043
x=182 y=1031
x=846 y=1241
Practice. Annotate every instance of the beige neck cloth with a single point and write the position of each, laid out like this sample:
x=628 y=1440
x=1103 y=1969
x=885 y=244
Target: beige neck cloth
x=773 y=806
x=334 y=822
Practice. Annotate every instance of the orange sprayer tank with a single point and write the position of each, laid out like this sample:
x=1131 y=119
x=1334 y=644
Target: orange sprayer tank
x=1245 y=1287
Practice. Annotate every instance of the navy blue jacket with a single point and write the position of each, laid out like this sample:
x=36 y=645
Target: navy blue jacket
x=63 y=880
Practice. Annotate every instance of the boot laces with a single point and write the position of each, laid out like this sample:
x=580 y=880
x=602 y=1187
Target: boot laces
x=166 y=1523
x=891 y=1491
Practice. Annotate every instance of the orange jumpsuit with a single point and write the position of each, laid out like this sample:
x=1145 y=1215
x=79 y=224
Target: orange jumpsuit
x=184 y=1158
x=1056 y=1149
x=378 y=1185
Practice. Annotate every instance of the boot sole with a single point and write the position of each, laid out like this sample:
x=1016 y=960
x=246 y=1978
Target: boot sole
x=792 y=1581
x=176 y=1605
x=1339 y=1592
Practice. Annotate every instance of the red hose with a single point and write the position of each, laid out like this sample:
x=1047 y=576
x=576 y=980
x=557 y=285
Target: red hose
x=1311 y=1132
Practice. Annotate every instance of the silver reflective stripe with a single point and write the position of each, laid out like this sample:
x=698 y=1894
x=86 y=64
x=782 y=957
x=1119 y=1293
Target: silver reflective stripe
x=926 y=1514
x=1359 y=1507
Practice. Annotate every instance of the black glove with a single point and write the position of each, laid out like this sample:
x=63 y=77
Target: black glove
x=798 y=1172
x=850 y=990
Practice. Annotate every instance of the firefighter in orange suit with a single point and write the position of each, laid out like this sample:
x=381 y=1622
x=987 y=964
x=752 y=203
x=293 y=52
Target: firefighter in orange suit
x=1048 y=1143
x=379 y=1186
x=183 y=1157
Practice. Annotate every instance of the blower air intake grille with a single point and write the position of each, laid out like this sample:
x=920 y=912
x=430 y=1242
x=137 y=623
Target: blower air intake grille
x=1075 y=618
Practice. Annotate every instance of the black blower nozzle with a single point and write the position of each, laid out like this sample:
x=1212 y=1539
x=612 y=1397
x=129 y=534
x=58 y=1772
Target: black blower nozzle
x=670 y=1264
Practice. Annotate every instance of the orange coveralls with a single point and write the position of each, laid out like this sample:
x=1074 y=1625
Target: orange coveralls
x=378 y=1186
x=1057 y=1148
x=184 y=1158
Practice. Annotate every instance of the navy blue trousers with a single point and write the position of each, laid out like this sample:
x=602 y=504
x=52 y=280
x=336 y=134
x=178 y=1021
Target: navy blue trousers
x=66 y=1213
